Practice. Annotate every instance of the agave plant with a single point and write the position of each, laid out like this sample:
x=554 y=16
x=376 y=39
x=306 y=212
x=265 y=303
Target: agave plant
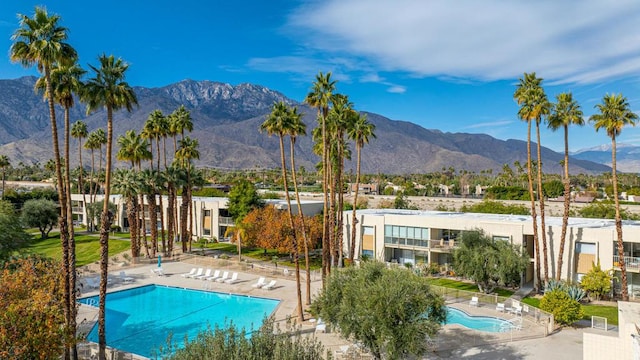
x=554 y=284
x=576 y=293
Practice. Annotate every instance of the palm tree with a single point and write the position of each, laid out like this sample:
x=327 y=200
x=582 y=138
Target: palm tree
x=125 y=183
x=527 y=95
x=298 y=128
x=614 y=115
x=279 y=122
x=40 y=41
x=320 y=98
x=361 y=131
x=65 y=82
x=79 y=131
x=175 y=178
x=187 y=152
x=107 y=89
x=133 y=148
x=566 y=111
x=94 y=142
x=4 y=163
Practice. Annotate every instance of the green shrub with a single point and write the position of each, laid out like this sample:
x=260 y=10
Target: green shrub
x=596 y=282
x=565 y=310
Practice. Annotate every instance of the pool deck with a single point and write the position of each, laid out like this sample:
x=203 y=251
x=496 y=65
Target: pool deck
x=527 y=343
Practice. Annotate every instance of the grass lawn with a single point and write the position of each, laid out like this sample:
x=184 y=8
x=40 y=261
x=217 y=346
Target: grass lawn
x=258 y=254
x=609 y=312
x=461 y=285
x=87 y=248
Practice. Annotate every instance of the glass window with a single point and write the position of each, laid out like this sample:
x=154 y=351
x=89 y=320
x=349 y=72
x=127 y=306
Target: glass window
x=396 y=231
x=410 y=232
x=425 y=234
x=387 y=230
x=403 y=232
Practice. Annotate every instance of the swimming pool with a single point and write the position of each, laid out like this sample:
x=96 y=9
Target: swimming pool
x=139 y=320
x=479 y=323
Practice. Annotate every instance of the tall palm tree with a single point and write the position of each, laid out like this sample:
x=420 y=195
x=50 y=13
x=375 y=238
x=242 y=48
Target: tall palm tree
x=65 y=82
x=175 y=177
x=4 y=163
x=527 y=95
x=614 y=115
x=187 y=152
x=299 y=128
x=361 y=132
x=279 y=122
x=133 y=148
x=107 y=89
x=566 y=111
x=94 y=142
x=125 y=183
x=41 y=41
x=320 y=98
x=79 y=131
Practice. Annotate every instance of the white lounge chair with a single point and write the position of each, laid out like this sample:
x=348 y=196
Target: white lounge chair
x=233 y=279
x=158 y=272
x=224 y=277
x=320 y=325
x=261 y=282
x=474 y=301
x=124 y=278
x=500 y=307
x=216 y=274
x=270 y=285
x=517 y=310
x=189 y=274
x=205 y=275
x=198 y=273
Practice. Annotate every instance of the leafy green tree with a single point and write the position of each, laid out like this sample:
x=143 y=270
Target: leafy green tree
x=32 y=320
x=488 y=262
x=40 y=213
x=596 y=282
x=553 y=188
x=231 y=343
x=614 y=114
x=401 y=201
x=243 y=198
x=506 y=193
x=495 y=207
x=565 y=310
x=364 y=303
x=94 y=210
x=603 y=210
x=12 y=237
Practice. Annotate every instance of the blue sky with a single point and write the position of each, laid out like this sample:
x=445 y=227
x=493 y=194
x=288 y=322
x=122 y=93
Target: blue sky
x=446 y=65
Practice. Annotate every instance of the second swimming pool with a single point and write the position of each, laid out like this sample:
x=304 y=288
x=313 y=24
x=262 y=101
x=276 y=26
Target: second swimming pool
x=479 y=323
x=139 y=320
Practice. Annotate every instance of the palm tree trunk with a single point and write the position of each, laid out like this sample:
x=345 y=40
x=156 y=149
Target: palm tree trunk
x=170 y=223
x=71 y=255
x=143 y=220
x=106 y=219
x=326 y=243
x=541 y=197
x=340 y=192
x=184 y=210
x=81 y=179
x=296 y=258
x=622 y=263
x=352 y=248
x=302 y=221
x=332 y=216
x=153 y=219
x=133 y=225
x=567 y=194
x=92 y=190
x=62 y=199
x=533 y=209
x=162 y=234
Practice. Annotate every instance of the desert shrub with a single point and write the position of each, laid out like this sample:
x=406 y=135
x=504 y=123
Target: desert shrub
x=565 y=310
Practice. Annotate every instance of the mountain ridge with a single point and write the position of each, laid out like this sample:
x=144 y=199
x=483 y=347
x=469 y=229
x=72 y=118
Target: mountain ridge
x=226 y=122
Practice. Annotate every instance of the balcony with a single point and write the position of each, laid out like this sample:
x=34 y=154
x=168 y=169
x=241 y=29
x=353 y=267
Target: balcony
x=77 y=209
x=224 y=220
x=632 y=263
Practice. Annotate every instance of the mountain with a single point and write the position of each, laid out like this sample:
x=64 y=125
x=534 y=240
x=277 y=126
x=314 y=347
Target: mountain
x=627 y=156
x=226 y=121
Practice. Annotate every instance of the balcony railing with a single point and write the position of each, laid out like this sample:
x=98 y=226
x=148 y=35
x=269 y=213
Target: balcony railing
x=224 y=220
x=78 y=209
x=631 y=263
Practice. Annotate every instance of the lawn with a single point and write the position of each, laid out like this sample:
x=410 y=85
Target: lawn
x=461 y=285
x=87 y=248
x=258 y=254
x=609 y=312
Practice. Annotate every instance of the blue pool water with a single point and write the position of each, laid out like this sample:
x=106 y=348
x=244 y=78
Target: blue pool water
x=480 y=323
x=139 y=320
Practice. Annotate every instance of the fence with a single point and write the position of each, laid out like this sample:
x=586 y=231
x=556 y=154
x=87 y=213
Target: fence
x=534 y=323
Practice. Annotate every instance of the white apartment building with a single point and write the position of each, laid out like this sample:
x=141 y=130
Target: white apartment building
x=210 y=214
x=410 y=236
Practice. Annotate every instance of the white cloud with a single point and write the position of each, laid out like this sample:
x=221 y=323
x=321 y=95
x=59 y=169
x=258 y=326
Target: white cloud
x=490 y=124
x=563 y=41
x=397 y=89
